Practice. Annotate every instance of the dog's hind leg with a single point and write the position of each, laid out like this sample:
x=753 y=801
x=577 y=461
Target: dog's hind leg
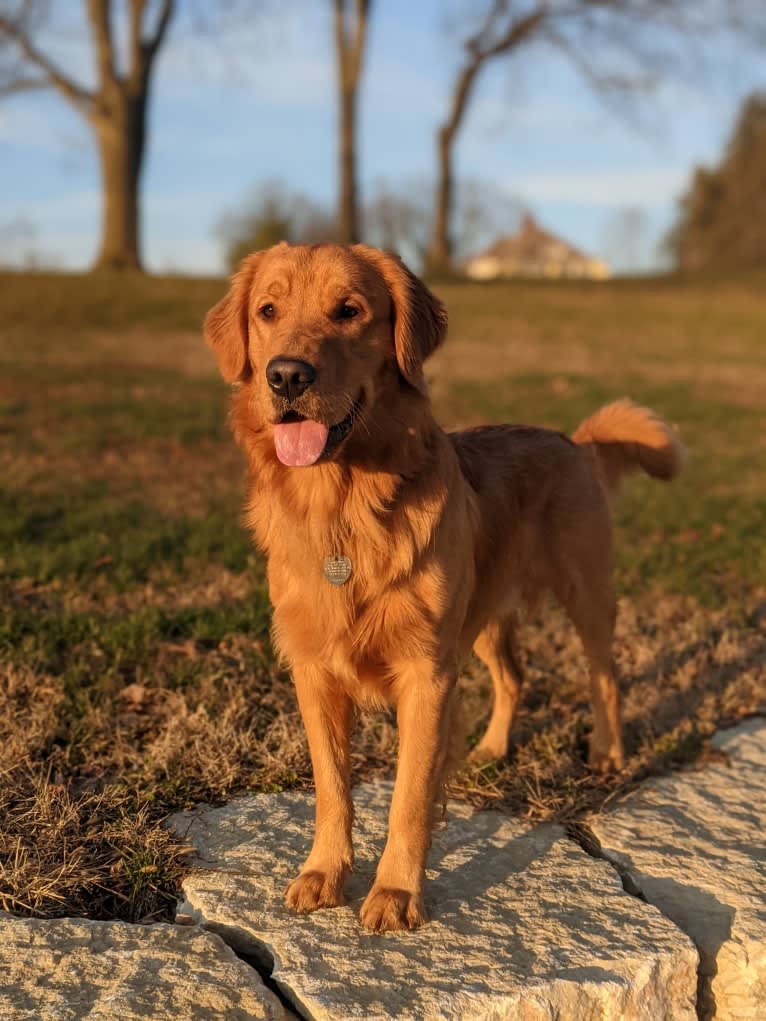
x=496 y=646
x=592 y=609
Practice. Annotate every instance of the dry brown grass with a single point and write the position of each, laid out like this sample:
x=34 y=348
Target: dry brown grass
x=82 y=801
x=65 y=853
x=684 y=672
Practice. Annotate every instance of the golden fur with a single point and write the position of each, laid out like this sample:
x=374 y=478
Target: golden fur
x=448 y=535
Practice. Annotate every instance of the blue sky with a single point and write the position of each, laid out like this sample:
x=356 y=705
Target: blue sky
x=256 y=101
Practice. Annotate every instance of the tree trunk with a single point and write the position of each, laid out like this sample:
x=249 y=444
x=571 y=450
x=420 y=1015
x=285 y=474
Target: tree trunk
x=484 y=45
x=121 y=137
x=441 y=250
x=350 y=35
x=439 y=257
x=348 y=218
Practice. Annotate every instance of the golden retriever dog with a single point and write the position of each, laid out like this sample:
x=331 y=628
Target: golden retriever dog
x=394 y=548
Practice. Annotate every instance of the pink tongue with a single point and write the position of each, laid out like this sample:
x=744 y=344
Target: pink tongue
x=300 y=443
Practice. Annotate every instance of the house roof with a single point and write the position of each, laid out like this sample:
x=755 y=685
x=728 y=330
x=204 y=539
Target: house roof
x=531 y=242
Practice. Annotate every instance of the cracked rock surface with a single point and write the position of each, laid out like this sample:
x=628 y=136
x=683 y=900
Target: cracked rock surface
x=69 y=969
x=694 y=844
x=525 y=925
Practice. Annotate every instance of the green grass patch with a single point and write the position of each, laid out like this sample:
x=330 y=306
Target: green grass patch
x=39 y=306
x=93 y=647
x=111 y=409
x=184 y=414
x=84 y=532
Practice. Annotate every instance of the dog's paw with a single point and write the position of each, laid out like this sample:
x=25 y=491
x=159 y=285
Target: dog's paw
x=483 y=754
x=608 y=759
x=388 y=910
x=314 y=889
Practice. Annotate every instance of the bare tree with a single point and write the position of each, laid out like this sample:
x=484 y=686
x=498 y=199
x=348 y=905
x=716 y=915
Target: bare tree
x=115 y=109
x=273 y=213
x=397 y=219
x=351 y=21
x=482 y=211
x=618 y=45
x=501 y=31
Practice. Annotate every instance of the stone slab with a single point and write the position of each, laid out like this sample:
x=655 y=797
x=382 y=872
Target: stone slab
x=72 y=969
x=694 y=845
x=525 y=925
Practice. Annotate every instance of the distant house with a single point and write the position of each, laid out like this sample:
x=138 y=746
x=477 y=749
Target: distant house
x=534 y=253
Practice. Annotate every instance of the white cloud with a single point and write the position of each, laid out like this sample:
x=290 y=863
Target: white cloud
x=649 y=187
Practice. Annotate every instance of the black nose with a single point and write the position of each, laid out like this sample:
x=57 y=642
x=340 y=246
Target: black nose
x=289 y=377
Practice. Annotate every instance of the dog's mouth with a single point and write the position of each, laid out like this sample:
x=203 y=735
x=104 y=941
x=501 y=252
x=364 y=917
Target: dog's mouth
x=301 y=441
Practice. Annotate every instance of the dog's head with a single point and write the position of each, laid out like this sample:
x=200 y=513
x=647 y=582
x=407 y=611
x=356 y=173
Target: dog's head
x=314 y=332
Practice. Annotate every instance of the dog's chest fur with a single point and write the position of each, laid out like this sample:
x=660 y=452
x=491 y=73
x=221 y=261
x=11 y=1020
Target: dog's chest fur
x=395 y=531
x=390 y=537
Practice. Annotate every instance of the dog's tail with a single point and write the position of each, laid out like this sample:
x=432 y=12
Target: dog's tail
x=622 y=438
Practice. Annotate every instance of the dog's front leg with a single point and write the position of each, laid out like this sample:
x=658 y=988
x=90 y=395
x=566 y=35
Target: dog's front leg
x=423 y=714
x=327 y=715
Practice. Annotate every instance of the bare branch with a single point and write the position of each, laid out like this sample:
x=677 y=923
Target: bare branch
x=350 y=28
x=11 y=88
x=599 y=78
x=360 y=33
x=350 y=50
x=154 y=41
x=99 y=16
x=136 y=44
x=14 y=32
x=476 y=42
x=482 y=47
x=517 y=32
x=142 y=48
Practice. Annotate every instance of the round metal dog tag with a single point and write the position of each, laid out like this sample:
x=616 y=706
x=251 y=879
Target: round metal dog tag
x=337 y=569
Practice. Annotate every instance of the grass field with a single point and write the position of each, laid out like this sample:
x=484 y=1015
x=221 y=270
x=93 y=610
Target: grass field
x=136 y=672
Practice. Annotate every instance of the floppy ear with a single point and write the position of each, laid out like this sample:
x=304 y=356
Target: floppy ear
x=420 y=319
x=226 y=324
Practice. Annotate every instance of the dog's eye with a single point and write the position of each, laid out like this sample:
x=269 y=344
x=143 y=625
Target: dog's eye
x=346 y=311
x=267 y=311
